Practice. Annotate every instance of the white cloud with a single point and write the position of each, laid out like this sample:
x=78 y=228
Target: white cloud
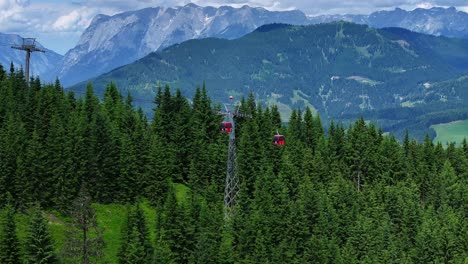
x=76 y=20
x=424 y=5
x=463 y=8
x=4 y=4
x=67 y=21
x=10 y=14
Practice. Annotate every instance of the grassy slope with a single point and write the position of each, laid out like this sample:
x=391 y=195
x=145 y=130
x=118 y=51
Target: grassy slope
x=110 y=216
x=451 y=132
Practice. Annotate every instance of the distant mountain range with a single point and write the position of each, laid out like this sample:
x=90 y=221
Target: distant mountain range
x=42 y=64
x=340 y=69
x=110 y=42
x=436 y=21
x=113 y=41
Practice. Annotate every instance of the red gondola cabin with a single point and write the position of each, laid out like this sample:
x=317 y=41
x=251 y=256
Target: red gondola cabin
x=226 y=127
x=279 y=140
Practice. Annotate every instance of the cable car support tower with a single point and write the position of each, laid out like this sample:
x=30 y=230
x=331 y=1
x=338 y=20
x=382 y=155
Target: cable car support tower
x=232 y=187
x=29 y=45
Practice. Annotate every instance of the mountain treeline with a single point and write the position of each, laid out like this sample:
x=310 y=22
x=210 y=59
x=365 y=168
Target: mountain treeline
x=347 y=195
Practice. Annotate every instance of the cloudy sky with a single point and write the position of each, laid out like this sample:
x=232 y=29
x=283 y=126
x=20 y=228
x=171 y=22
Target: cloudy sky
x=58 y=24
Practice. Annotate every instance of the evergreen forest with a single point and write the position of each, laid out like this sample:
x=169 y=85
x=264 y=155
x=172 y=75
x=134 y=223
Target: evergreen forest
x=340 y=194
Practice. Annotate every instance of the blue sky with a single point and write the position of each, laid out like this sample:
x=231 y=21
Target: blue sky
x=58 y=24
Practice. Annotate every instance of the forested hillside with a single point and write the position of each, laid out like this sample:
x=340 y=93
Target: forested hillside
x=348 y=195
x=341 y=70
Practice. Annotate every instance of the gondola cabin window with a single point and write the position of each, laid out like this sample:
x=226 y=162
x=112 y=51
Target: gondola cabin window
x=279 y=140
x=226 y=127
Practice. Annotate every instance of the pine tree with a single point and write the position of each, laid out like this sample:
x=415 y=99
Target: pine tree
x=181 y=138
x=157 y=172
x=134 y=252
x=136 y=247
x=391 y=161
x=249 y=155
x=79 y=160
x=275 y=117
x=226 y=252
x=12 y=146
x=128 y=178
x=199 y=177
x=113 y=103
x=59 y=167
x=88 y=142
x=360 y=148
x=9 y=244
x=205 y=136
x=209 y=232
x=39 y=244
x=426 y=239
x=31 y=183
x=309 y=129
x=140 y=138
x=170 y=235
x=465 y=147
x=108 y=153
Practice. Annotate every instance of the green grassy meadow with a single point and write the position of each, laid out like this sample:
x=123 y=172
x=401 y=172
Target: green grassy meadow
x=451 y=132
x=111 y=217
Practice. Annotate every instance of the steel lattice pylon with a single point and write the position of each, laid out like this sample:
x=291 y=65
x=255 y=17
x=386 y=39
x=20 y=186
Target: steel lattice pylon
x=232 y=180
x=232 y=187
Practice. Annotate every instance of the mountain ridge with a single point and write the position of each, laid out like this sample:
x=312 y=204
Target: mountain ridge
x=437 y=21
x=110 y=41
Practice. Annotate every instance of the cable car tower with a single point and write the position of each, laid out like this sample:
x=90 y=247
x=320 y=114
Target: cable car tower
x=29 y=45
x=232 y=187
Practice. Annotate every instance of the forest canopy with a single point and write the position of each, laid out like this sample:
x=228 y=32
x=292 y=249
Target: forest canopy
x=335 y=195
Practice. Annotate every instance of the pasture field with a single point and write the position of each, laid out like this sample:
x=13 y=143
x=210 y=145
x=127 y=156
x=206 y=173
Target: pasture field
x=451 y=132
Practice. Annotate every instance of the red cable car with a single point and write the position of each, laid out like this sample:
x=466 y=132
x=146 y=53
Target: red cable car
x=226 y=127
x=279 y=140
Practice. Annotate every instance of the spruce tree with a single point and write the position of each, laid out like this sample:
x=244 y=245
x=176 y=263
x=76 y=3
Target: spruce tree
x=31 y=182
x=59 y=167
x=170 y=234
x=104 y=185
x=465 y=147
x=157 y=172
x=181 y=137
x=39 y=243
x=127 y=178
x=209 y=232
x=9 y=244
x=12 y=146
x=134 y=252
x=136 y=247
